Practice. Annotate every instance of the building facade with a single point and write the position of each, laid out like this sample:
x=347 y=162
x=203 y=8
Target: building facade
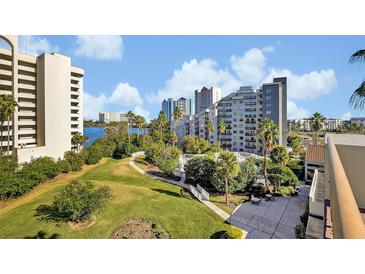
x=107 y=117
x=358 y=121
x=49 y=93
x=304 y=124
x=205 y=97
x=169 y=105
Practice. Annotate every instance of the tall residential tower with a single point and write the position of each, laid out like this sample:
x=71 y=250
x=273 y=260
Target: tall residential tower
x=49 y=92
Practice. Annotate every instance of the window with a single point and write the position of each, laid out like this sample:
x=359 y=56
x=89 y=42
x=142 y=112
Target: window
x=268 y=105
x=268 y=98
x=268 y=112
x=268 y=91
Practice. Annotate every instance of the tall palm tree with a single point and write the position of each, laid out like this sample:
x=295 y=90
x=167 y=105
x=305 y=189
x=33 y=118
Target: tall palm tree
x=228 y=168
x=177 y=118
x=221 y=129
x=8 y=106
x=78 y=140
x=130 y=116
x=140 y=122
x=209 y=128
x=268 y=132
x=316 y=123
x=2 y=120
x=357 y=99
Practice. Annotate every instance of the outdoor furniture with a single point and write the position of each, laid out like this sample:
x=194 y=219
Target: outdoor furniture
x=255 y=201
x=269 y=197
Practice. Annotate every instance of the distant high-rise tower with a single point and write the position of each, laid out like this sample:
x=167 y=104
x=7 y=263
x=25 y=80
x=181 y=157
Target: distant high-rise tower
x=205 y=97
x=169 y=105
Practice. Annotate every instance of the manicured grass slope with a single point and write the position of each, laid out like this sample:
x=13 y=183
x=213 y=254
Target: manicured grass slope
x=134 y=195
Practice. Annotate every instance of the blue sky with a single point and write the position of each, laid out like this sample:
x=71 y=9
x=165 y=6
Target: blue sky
x=136 y=72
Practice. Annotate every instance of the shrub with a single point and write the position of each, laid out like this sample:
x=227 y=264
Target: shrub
x=282 y=175
x=194 y=145
x=64 y=166
x=231 y=233
x=93 y=155
x=199 y=170
x=279 y=155
x=43 y=165
x=168 y=159
x=297 y=167
x=8 y=164
x=76 y=161
x=76 y=202
x=106 y=146
x=153 y=152
x=299 y=230
x=286 y=190
x=124 y=150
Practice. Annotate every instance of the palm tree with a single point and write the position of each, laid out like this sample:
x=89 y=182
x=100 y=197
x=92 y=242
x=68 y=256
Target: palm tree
x=130 y=116
x=316 y=123
x=8 y=105
x=78 y=140
x=209 y=128
x=221 y=129
x=228 y=168
x=268 y=132
x=357 y=99
x=140 y=122
x=2 y=120
x=177 y=116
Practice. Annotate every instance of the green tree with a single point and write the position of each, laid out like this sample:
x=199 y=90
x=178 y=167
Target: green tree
x=227 y=169
x=173 y=138
x=357 y=99
x=161 y=128
x=78 y=140
x=7 y=109
x=247 y=174
x=140 y=122
x=316 y=123
x=268 y=133
x=130 y=117
x=200 y=170
x=278 y=155
x=221 y=129
x=209 y=128
x=294 y=141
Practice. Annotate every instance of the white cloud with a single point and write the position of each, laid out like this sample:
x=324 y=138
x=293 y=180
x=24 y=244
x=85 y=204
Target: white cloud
x=309 y=85
x=35 y=45
x=295 y=112
x=193 y=75
x=125 y=94
x=346 y=116
x=105 y=47
x=141 y=111
x=251 y=66
x=93 y=105
x=269 y=49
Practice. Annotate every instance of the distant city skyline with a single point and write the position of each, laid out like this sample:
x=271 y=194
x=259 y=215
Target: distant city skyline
x=137 y=72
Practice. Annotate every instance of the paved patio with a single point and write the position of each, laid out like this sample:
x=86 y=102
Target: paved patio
x=271 y=220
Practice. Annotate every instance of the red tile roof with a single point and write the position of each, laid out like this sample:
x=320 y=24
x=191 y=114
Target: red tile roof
x=315 y=154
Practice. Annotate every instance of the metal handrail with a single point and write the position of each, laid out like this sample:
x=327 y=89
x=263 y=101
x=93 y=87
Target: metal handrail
x=346 y=220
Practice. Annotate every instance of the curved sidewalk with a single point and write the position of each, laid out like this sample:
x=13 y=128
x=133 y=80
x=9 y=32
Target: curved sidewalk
x=180 y=183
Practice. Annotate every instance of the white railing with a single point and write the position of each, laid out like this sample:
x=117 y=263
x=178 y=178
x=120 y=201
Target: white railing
x=204 y=193
x=316 y=208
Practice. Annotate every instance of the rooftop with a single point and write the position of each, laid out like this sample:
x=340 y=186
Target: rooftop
x=315 y=153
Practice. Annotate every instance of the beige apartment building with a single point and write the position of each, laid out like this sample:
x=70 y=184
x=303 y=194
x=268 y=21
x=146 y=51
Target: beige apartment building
x=337 y=195
x=49 y=92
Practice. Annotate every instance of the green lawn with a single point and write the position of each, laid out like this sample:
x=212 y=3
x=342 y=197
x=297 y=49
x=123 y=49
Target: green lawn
x=134 y=195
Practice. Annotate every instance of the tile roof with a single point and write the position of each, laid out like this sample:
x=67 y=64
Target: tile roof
x=315 y=154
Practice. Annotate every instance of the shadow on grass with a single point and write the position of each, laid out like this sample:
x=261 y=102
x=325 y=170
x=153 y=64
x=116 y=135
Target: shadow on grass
x=167 y=192
x=45 y=213
x=43 y=235
x=220 y=235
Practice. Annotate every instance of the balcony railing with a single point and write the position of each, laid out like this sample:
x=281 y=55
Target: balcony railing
x=346 y=217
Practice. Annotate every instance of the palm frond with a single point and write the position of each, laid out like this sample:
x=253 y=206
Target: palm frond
x=357 y=99
x=358 y=56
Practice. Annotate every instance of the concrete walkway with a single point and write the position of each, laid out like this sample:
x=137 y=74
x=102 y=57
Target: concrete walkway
x=182 y=184
x=273 y=219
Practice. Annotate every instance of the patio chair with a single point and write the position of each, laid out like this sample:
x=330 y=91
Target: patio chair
x=255 y=200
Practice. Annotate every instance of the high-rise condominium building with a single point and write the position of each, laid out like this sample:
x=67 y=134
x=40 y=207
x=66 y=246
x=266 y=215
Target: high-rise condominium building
x=205 y=97
x=49 y=93
x=244 y=109
x=169 y=105
x=107 y=117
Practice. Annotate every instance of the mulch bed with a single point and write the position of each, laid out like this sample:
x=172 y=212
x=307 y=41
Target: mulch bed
x=139 y=228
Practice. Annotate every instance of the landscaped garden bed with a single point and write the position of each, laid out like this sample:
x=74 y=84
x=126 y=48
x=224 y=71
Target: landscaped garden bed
x=152 y=169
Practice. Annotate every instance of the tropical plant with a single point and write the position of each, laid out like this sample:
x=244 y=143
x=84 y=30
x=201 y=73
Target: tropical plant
x=177 y=116
x=93 y=155
x=268 y=133
x=200 y=170
x=209 y=128
x=7 y=109
x=161 y=128
x=140 y=123
x=316 y=123
x=173 y=138
x=76 y=161
x=124 y=150
x=76 y=202
x=221 y=129
x=357 y=99
x=78 y=140
x=130 y=117
x=279 y=155
x=294 y=141
x=247 y=174
x=227 y=169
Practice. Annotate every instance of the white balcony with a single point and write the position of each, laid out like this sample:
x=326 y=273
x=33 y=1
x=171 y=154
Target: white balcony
x=27 y=95
x=27 y=104
x=27 y=86
x=27 y=122
x=26 y=131
x=27 y=77
x=5 y=62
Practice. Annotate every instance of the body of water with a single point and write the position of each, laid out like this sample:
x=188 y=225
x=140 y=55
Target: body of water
x=98 y=132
